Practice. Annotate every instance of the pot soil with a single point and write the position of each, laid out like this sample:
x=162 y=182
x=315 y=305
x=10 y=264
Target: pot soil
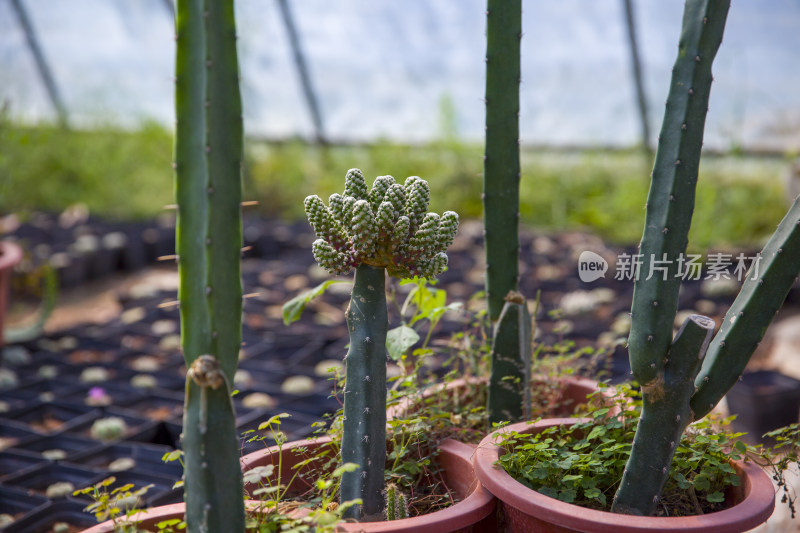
x=10 y=255
x=474 y=512
x=526 y=510
x=551 y=397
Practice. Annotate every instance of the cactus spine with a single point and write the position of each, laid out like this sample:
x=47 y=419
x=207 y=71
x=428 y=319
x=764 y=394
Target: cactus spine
x=208 y=151
x=678 y=384
x=501 y=178
x=385 y=229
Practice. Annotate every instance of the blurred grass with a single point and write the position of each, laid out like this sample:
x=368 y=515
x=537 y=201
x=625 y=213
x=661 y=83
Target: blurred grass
x=122 y=174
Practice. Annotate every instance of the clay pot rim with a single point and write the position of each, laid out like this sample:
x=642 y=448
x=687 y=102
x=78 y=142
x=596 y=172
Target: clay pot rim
x=478 y=504
x=754 y=509
x=402 y=407
x=10 y=254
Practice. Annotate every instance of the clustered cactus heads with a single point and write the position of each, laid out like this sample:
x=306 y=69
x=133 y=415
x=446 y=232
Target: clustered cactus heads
x=387 y=226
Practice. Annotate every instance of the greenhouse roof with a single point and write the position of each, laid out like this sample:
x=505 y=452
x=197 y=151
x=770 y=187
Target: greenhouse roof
x=411 y=71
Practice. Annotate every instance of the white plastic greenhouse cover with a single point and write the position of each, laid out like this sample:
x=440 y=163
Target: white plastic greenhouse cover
x=388 y=68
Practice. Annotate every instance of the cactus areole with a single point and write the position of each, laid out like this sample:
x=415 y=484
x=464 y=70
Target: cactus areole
x=384 y=229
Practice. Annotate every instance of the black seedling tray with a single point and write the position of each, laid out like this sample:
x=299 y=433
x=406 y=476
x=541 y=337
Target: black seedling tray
x=42 y=519
x=14 y=461
x=37 y=479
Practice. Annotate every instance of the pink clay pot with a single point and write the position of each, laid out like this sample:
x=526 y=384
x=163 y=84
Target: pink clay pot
x=528 y=511
x=474 y=513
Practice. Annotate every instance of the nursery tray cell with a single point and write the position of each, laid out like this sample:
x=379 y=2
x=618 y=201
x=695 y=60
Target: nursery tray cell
x=137 y=428
x=37 y=479
x=16 y=434
x=44 y=518
x=49 y=418
x=14 y=461
x=19 y=504
x=146 y=458
x=158 y=405
x=63 y=442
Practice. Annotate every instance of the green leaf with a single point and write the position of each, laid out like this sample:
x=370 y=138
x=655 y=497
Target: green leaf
x=295 y=307
x=716 y=497
x=266 y=490
x=701 y=482
x=346 y=467
x=567 y=496
x=172 y=456
x=593 y=493
x=400 y=339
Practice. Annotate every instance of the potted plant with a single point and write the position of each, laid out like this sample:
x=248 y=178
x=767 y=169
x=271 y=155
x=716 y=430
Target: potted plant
x=683 y=378
x=384 y=229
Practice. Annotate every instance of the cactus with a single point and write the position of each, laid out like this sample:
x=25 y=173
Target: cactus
x=59 y=489
x=509 y=392
x=396 y=503
x=208 y=156
x=683 y=378
x=501 y=178
x=385 y=229
x=108 y=429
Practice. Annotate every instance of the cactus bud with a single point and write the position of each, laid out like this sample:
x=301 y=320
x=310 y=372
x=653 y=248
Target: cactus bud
x=354 y=185
x=379 y=189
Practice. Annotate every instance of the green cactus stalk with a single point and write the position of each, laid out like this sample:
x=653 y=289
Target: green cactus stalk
x=364 y=436
x=501 y=168
x=501 y=179
x=208 y=155
x=385 y=229
x=509 y=390
x=683 y=379
x=396 y=503
x=659 y=363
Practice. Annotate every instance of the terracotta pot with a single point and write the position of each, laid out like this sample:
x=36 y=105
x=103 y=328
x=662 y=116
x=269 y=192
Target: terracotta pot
x=474 y=513
x=529 y=511
x=10 y=255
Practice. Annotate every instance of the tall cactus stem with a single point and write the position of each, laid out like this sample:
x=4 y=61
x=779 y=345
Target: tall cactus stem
x=670 y=202
x=501 y=167
x=208 y=152
x=364 y=432
x=665 y=414
x=511 y=362
x=762 y=294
